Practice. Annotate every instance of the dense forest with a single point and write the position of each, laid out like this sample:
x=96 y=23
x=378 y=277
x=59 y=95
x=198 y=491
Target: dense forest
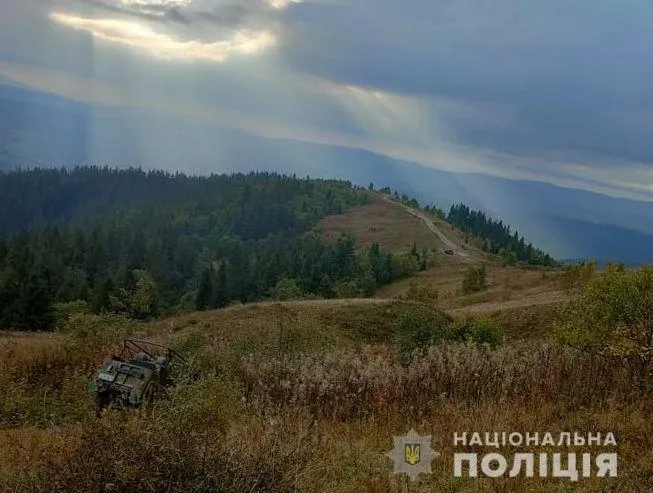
x=144 y=243
x=495 y=237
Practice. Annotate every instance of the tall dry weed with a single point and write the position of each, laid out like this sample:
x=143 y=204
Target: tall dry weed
x=349 y=384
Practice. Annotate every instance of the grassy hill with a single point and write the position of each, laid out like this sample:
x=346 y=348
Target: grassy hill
x=309 y=393
x=516 y=290
x=308 y=397
x=379 y=222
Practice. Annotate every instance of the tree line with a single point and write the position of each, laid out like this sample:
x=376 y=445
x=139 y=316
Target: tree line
x=496 y=237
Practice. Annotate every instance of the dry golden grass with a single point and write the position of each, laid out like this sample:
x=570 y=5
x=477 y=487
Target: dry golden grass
x=382 y=222
x=370 y=381
x=312 y=407
x=504 y=283
x=523 y=301
x=530 y=322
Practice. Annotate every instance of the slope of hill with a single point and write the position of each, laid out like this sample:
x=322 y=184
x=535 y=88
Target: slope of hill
x=144 y=243
x=602 y=242
x=38 y=129
x=522 y=298
x=382 y=222
x=330 y=377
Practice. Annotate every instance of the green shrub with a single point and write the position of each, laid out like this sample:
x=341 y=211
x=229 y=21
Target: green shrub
x=192 y=341
x=509 y=257
x=63 y=311
x=346 y=289
x=420 y=326
x=141 y=301
x=478 y=330
x=286 y=289
x=93 y=332
x=613 y=317
x=421 y=292
x=475 y=279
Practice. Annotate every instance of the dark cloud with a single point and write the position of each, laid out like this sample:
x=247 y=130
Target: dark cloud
x=574 y=76
x=157 y=13
x=228 y=15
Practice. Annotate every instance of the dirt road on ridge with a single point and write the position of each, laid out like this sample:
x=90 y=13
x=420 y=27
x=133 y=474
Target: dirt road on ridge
x=457 y=250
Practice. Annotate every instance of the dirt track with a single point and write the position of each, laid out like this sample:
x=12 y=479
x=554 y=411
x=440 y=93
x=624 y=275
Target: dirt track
x=433 y=228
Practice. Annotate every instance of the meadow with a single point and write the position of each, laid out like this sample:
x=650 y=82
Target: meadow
x=307 y=396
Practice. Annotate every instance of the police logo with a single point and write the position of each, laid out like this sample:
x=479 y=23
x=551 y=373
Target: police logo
x=412 y=454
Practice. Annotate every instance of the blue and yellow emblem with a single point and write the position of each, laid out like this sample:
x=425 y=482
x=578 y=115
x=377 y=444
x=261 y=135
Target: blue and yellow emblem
x=412 y=453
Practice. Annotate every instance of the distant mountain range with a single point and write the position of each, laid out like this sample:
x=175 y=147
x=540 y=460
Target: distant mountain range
x=39 y=129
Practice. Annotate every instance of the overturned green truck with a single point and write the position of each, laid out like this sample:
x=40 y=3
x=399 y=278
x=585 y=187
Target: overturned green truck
x=135 y=376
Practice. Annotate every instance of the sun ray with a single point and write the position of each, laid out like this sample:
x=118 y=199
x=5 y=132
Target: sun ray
x=144 y=37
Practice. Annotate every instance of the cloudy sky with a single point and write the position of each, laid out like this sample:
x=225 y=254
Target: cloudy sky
x=557 y=90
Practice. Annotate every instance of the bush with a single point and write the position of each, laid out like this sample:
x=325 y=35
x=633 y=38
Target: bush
x=477 y=330
x=408 y=263
x=346 y=289
x=140 y=301
x=509 y=257
x=63 y=311
x=97 y=332
x=421 y=292
x=613 y=317
x=286 y=289
x=133 y=453
x=474 y=279
x=420 y=326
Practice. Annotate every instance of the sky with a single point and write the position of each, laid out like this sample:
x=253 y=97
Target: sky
x=557 y=91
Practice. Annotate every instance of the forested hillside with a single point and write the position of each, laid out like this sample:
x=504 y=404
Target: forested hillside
x=264 y=202
x=496 y=237
x=145 y=243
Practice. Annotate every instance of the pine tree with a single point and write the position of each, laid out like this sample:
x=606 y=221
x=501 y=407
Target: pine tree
x=220 y=288
x=204 y=296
